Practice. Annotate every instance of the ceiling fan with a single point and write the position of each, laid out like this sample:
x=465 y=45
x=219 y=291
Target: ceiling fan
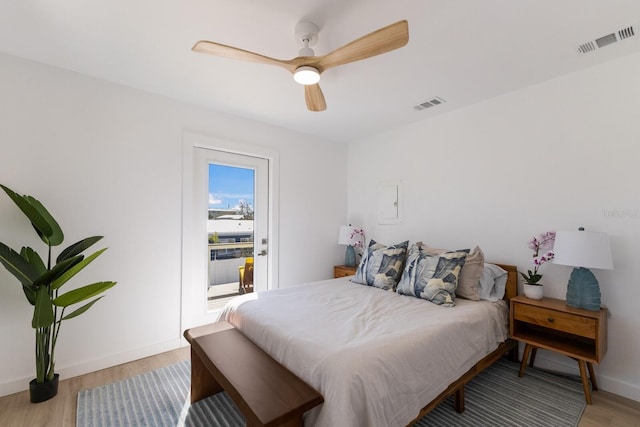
x=306 y=68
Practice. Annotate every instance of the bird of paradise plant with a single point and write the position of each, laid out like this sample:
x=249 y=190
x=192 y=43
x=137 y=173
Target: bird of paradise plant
x=42 y=282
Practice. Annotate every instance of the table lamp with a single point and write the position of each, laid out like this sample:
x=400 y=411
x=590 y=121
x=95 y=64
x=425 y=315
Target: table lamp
x=345 y=238
x=583 y=250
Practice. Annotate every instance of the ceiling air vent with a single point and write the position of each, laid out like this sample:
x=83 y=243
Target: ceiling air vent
x=587 y=47
x=626 y=33
x=433 y=102
x=603 y=41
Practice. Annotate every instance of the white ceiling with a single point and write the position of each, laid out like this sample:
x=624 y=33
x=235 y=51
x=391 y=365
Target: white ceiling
x=464 y=51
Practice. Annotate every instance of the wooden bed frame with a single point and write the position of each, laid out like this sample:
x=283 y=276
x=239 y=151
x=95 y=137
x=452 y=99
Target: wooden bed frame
x=215 y=369
x=509 y=346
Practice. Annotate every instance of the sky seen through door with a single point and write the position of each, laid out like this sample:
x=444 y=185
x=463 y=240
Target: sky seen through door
x=229 y=186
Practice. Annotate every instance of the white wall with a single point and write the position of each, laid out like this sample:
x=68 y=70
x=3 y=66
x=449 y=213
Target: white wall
x=106 y=159
x=558 y=155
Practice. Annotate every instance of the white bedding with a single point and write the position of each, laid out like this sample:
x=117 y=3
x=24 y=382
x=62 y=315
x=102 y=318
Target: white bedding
x=377 y=357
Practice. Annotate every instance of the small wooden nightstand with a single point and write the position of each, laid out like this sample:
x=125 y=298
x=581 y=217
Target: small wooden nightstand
x=551 y=324
x=343 y=271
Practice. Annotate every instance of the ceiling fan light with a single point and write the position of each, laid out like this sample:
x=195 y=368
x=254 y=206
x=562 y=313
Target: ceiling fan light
x=306 y=75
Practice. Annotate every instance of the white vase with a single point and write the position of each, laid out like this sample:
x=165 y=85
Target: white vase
x=533 y=291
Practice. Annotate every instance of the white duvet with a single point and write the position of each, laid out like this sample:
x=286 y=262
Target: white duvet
x=376 y=357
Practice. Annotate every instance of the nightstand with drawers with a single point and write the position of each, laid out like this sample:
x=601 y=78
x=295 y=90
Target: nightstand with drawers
x=343 y=271
x=552 y=325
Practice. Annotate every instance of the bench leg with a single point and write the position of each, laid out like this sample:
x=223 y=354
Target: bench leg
x=202 y=383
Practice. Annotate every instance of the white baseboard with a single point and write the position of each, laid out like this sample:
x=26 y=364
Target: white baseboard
x=66 y=372
x=548 y=361
x=544 y=360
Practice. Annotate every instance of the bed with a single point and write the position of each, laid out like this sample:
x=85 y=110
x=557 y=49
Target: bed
x=377 y=357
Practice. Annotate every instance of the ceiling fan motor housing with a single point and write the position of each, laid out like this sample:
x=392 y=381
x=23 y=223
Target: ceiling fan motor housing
x=306 y=34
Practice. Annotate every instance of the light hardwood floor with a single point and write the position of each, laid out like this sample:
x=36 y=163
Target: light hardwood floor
x=607 y=410
x=17 y=411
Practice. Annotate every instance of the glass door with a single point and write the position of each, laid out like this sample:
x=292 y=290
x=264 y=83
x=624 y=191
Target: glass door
x=230 y=224
x=226 y=242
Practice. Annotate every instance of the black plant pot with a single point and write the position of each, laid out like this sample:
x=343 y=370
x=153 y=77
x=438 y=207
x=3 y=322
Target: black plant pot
x=45 y=391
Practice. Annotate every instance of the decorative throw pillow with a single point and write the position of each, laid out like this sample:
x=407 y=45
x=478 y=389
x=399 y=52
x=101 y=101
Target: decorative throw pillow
x=432 y=277
x=381 y=265
x=468 y=282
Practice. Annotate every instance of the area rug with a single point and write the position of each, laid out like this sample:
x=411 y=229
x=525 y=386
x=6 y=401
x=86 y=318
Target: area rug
x=497 y=397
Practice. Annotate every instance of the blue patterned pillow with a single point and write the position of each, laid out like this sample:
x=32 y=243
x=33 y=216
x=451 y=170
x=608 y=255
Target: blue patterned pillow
x=381 y=265
x=432 y=277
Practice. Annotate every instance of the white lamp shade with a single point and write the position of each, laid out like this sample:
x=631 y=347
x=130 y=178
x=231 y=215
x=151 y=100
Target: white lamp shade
x=344 y=238
x=579 y=248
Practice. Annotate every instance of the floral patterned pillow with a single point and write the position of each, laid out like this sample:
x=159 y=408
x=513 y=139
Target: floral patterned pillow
x=381 y=265
x=432 y=277
x=469 y=279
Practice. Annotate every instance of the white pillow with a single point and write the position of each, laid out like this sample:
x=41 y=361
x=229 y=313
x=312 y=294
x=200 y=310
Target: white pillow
x=493 y=282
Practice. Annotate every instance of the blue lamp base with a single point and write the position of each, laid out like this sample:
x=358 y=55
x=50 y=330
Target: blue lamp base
x=350 y=257
x=583 y=290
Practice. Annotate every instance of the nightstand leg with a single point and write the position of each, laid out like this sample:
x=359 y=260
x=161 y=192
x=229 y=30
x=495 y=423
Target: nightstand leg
x=525 y=357
x=592 y=376
x=534 y=350
x=585 y=381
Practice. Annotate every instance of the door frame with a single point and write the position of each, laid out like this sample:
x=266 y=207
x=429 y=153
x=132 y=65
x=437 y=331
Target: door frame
x=191 y=315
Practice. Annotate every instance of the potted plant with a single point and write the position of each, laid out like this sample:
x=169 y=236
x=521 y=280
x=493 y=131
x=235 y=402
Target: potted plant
x=532 y=287
x=42 y=280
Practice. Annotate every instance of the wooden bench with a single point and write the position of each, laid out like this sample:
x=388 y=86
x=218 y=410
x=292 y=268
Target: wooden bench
x=266 y=392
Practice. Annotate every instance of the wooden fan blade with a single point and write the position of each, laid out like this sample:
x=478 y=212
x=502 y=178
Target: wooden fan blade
x=314 y=98
x=217 y=49
x=384 y=40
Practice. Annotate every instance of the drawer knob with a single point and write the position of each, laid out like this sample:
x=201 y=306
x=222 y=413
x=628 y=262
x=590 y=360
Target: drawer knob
x=550 y=319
